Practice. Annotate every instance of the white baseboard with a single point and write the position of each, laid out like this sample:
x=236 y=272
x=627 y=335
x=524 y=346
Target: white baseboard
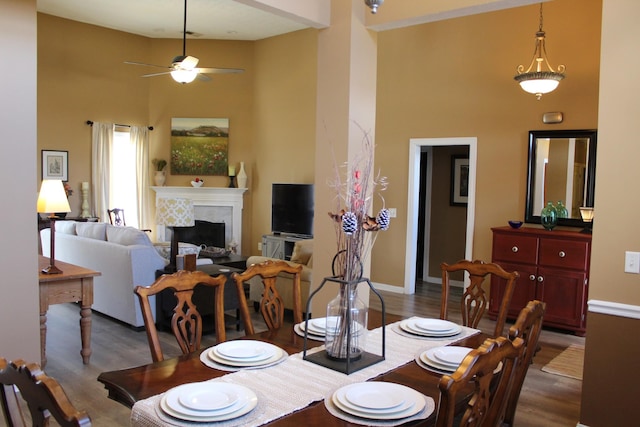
x=614 y=308
x=388 y=288
x=581 y=425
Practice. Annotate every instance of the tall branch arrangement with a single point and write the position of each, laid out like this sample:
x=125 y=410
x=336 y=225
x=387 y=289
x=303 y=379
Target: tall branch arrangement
x=355 y=229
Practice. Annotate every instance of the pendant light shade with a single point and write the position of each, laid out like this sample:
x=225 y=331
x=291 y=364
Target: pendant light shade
x=374 y=4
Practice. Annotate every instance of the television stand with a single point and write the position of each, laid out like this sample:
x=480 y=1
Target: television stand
x=280 y=246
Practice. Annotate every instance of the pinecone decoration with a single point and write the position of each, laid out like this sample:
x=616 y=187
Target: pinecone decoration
x=349 y=223
x=383 y=219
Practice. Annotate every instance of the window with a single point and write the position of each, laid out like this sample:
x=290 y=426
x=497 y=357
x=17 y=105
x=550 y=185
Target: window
x=122 y=185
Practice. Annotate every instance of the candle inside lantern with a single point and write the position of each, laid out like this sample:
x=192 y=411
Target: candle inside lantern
x=232 y=171
x=85 y=185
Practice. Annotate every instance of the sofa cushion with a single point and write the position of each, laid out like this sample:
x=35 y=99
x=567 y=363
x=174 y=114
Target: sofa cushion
x=92 y=230
x=302 y=251
x=127 y=236
x=66 y=227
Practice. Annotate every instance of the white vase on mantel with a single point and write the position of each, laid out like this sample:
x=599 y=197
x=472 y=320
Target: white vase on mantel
x=159 y=178
x=242 y=177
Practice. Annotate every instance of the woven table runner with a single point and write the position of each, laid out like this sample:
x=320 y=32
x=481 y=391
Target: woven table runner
x=295 y=383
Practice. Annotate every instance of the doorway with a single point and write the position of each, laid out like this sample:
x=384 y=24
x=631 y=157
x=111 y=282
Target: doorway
x=419 y=176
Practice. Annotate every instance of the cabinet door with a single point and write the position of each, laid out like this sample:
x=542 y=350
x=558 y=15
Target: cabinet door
x=523 y=292
x=564 y=294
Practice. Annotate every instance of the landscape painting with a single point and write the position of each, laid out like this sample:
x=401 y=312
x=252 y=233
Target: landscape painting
x=199 y=146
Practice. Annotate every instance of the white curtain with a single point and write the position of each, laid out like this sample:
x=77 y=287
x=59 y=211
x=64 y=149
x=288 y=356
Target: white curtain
x=101 y=143
x=140 y=137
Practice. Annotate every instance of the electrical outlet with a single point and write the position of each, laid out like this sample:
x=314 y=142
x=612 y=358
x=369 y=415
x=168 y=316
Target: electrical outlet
x=632 y=262
x=392 y=212
x=259 y=246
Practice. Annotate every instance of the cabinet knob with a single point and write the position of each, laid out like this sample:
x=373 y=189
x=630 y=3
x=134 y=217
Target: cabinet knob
x=540 y=279
x=514 y=249
x=561 y=254
x=532 y=277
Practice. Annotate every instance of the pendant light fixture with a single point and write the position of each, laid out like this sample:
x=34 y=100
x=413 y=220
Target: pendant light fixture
x=374 y=4
x=540 y=77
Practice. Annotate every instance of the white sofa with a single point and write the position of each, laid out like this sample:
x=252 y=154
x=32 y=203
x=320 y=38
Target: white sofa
x=303 y=255
x=124 y=256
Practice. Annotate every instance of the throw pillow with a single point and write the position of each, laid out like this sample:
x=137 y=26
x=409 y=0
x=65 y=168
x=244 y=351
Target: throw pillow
x=92 y=230
x=302 y=251
x=66 y=227
x=127 y=236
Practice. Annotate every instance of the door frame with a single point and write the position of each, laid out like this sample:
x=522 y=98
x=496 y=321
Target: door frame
x=413 y=191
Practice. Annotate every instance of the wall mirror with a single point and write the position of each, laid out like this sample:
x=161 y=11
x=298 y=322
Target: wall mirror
x=562 y=166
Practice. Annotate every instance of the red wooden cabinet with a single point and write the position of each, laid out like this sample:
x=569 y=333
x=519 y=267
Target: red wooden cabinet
x=553 y=267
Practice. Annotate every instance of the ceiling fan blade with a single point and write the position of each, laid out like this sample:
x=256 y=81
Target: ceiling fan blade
x=203 y=77
x=189 y=63
x=147 y=65
x=156 y=74
x=219 y=70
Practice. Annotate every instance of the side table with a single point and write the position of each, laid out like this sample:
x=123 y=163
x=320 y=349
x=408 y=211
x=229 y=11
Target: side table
x=232 y=260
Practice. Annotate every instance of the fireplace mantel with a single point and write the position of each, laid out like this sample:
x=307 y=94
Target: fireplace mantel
x=214 y=197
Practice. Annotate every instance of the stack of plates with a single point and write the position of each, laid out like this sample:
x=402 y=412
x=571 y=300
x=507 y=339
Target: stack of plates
x=208 y=401
x=434 y=328
x=318 y=327
x=444 y=359
x=378 y=400
x=246 y=354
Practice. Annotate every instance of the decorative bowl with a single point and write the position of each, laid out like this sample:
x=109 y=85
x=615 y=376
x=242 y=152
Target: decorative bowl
x=197 y=183
x=515 y=224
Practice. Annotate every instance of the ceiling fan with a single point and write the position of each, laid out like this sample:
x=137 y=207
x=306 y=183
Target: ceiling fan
x=183 y=67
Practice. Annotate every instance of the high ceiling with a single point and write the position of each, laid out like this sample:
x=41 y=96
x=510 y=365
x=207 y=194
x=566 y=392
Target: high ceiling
x=207 y=19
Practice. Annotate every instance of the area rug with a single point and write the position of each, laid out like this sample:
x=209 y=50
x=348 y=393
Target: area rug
x=569 y=363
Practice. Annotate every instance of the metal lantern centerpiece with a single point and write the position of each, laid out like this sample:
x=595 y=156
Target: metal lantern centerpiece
x=346 y=325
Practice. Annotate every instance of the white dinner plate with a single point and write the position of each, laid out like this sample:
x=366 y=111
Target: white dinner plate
x=216 y=357
x=424 y=365
x=407 y=325
x=248 y=350
x=414 y=400
x=246 y=400
x=312 y=329
x=299 y=328
x=434 y=325
x=370 y=398
x=207 y=399
x=449 y=355
x=441 y=367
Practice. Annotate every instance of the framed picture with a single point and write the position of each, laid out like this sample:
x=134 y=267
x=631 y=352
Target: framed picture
x=55 y=165
x=459 y=181
x=199 y=146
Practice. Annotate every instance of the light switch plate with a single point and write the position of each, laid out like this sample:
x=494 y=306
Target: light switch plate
x=632 y=262
x=392 y=212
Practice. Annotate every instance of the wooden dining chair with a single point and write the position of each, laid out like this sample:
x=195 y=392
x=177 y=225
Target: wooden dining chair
x=186 y=322
x=474 y=299
x=116 y=217
x=271 y=305
x=527 y=327
x=43 y=395
x=485 y=375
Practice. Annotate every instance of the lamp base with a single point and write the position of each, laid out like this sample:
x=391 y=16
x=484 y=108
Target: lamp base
x=52 y=269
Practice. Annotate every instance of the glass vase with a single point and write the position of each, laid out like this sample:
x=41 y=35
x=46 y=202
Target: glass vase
x=549 y=216
x=346 y=328
x=561 y=209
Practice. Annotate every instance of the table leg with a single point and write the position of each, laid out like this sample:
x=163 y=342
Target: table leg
x=85 y=332
x=43 y=338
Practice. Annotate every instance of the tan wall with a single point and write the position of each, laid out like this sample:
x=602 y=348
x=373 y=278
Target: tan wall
x=609 y=399
x=455 y=78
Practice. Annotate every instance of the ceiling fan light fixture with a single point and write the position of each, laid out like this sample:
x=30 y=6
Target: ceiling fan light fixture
x=184 y=76
x=540 y=77
x=374 y=4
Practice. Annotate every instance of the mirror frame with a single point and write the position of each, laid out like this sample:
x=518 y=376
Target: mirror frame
x=592 y=134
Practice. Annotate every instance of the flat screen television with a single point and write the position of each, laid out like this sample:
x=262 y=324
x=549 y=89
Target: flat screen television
x=292 y=209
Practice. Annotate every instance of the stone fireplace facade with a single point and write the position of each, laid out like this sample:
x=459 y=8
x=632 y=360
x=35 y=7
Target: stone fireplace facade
x=213 y=204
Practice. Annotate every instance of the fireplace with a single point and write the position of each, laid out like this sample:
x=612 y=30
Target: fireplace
x=213 y=204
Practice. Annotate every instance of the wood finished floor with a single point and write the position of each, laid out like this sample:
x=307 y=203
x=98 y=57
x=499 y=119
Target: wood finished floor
x=546 y=400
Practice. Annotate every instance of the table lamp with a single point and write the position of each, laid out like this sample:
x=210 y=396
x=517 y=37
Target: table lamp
x=587 y=218
x=51 y=199
x=172 y=213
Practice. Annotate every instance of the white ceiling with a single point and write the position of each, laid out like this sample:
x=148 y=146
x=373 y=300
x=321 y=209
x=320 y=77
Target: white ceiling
x=208 y=19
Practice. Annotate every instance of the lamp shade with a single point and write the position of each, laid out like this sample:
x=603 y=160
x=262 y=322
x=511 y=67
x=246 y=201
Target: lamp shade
x=184 y=76
x=52 y=197
x=586 y=214
x=175 y=212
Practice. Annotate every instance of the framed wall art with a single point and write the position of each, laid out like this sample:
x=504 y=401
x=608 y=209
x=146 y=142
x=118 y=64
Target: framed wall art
x=199 y=146
x=55 y=165
x=459 y=181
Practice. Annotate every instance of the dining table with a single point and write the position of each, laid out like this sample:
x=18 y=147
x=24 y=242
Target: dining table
x=137 y=387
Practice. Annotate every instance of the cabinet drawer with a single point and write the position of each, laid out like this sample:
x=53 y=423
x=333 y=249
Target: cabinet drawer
x=564 y=253
x=513 y=248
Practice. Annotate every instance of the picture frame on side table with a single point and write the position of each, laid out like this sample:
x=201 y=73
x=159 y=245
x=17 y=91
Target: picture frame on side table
x=459 y=181
x=55 y=165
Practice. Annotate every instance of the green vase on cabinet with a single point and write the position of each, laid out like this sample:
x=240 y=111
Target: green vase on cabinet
x=561 y=210
x=549 y=216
